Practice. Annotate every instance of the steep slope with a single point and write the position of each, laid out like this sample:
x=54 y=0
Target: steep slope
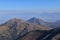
x=40 y=22
x=14 y=27
x=18 y=29
x=53 y=34
x=20 y=25
x=33 y=35
x=36 y=21
x=56 y=37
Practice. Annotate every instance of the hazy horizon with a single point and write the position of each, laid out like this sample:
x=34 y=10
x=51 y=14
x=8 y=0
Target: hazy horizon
x=48 y=10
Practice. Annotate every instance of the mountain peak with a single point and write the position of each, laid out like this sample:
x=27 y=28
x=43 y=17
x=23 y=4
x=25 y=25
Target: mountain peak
x=36 y=21
x=15 y=20
x=33 y=18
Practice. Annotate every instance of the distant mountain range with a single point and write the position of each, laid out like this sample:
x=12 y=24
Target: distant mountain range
x=40 y=22
x=36 y=21
x=19 y=29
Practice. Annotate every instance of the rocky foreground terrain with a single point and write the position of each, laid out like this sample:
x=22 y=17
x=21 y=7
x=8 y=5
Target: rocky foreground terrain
x=32 y=29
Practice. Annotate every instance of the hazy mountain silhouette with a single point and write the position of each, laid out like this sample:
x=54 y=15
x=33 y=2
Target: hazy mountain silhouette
x=54 y=24
x=41 y=22
x=36 y=21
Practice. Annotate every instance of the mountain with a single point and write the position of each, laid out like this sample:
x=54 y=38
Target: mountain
x=33 y=29
x=14 y=27
x=40 y=22
x=33 y=35
x=37 y=21
x=53 y=34
x=21 y=24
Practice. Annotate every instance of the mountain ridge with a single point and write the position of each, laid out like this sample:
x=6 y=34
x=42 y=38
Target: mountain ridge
x=14 y=28
x=40 y=22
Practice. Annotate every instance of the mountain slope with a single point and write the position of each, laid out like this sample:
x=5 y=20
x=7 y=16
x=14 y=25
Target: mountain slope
x=15 y=27
x=53 y=34
x=18 y=29
x=33 y=35
x=40 y=22
x=37 y=21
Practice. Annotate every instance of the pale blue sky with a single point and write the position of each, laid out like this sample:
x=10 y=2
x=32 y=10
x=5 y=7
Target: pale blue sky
x=45 y=9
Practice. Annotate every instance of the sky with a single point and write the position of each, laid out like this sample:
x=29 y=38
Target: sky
x=48 y=10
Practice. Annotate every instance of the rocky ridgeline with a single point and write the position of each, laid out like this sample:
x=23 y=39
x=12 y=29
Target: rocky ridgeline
x=18 y=29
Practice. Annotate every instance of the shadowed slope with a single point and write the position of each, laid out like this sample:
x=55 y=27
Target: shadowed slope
x=42 y=35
